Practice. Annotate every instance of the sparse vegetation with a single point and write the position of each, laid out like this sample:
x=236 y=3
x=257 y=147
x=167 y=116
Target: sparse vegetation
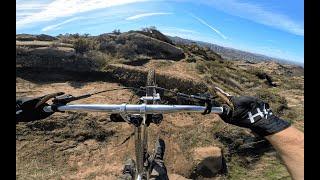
x=116 y=31
x=232 y=54
x=277 y=102
x=82 y=45
x=154 y=33
x=99 y=58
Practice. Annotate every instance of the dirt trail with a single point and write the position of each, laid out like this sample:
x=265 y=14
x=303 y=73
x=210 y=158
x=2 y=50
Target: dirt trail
x=181 y=69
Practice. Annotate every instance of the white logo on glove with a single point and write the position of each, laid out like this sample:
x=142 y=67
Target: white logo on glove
x=263 y=114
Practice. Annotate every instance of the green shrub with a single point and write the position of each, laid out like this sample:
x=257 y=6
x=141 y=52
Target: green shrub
x=191 y=59
x=201 y=67
x=127 y=51
x=116 y=31
x=82 y=45
x=100 y=59
x=108 y=47
x=66 y=40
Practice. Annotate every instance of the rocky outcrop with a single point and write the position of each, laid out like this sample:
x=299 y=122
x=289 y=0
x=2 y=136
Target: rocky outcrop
x=155 y=34
x=135 y=45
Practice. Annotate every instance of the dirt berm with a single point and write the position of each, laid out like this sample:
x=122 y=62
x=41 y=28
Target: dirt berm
x=127 y=76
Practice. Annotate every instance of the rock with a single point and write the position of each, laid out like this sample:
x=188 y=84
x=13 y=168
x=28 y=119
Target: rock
x=208 y=162
x=80 y=138
x=58 y=140
x=67 y=147
x=269 y=81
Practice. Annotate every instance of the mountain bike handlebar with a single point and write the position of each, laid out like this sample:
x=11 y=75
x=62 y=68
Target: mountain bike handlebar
x=133 y=108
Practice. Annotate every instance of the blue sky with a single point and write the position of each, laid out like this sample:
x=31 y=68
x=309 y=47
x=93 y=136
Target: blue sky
x=270 y=27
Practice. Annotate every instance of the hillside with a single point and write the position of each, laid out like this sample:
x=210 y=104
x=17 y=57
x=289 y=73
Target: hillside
x=89 y=146
x=234 y=54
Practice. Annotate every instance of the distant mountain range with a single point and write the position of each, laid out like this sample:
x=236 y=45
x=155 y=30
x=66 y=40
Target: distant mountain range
x=234 y=54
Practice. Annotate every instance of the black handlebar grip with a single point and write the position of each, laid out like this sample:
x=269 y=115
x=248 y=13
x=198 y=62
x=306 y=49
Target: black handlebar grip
x=227 y=110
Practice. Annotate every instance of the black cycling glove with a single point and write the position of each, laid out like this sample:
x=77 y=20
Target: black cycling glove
x=30 y=109
x=254 y=114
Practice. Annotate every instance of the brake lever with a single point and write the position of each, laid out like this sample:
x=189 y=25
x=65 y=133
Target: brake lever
x=222 y=92
x=66 y=98
x=224 y=96
x=47 y=97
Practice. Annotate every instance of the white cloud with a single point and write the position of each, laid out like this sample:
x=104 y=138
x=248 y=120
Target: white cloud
x=138 y=16
x=214 y=29
x=258 y=14
x=34 y=11
x=57 y=26
x=28 y=8
x=63 y=8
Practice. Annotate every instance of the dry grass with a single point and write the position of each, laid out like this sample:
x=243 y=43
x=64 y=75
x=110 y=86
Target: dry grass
x=42 y=44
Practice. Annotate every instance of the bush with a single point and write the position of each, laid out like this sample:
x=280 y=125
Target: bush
x=128 y=50
x=154 y=33
x=109 y=47
x=82 y=45
x=191 y=59
x=100 y=59
x=116 y=31
x=65 y=39
x=201 y=67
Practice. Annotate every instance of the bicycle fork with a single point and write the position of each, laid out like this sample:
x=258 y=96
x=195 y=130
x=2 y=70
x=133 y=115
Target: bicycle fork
x=141 y=144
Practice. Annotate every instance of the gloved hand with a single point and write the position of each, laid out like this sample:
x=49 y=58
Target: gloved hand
x=254 y=114
x=30 y=109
